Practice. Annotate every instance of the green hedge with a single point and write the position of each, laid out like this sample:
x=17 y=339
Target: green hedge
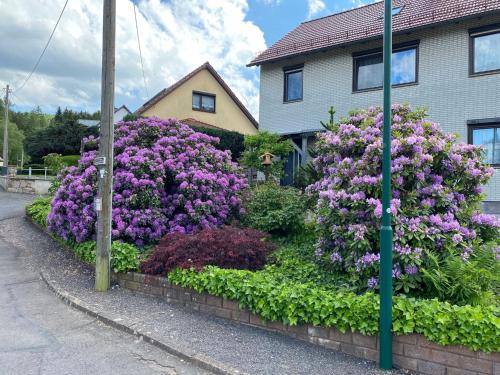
x=71 y=160
x=477 y=328
x=229 y=140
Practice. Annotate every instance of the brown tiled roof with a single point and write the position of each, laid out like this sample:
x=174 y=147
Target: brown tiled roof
x=367 y=22
x=163 y=93
x=194 y=122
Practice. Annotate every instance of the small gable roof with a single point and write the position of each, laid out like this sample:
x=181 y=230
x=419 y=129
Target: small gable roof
x=163 y=93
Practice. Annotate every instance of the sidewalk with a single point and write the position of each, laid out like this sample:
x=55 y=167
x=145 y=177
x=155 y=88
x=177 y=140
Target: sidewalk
x=236 y=348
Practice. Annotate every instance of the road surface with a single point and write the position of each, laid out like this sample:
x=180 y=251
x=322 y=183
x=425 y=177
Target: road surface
x=41 y=335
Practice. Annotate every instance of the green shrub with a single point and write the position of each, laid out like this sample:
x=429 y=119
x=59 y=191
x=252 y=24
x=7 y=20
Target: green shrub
x=258 y=144
x=275 y=209
x=54 y=162
x=474 y=281
x=228 y=140
x=124 y=256
x=477 y=328
x=85 y=251
x=71 y=160
x=39 y=210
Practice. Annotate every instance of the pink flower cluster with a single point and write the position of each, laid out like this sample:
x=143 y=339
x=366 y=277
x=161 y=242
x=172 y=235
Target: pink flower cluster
x=167 y=178
x=435 y=198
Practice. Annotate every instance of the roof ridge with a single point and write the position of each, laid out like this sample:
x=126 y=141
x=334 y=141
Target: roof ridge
x=344 y=11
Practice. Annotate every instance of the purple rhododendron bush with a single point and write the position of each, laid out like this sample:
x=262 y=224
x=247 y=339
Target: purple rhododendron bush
x=436 y=197
x=167 y=178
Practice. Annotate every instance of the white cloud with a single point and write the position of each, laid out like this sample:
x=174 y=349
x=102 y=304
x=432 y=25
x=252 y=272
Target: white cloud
x=176 y=37
x=271 y=2
x=314 y=7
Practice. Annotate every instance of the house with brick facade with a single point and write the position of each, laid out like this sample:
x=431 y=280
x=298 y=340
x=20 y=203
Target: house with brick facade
x=446 y=57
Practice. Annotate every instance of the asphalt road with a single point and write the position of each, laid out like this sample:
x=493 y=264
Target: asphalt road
x=41 y=335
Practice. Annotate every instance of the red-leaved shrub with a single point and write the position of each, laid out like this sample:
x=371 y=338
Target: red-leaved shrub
x=225 y=247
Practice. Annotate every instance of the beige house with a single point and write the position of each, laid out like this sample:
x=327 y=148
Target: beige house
x=202 y=98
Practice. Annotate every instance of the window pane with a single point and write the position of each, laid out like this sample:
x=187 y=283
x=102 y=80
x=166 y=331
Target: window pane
x=208 y=103
x=485 y=138
x=486 y=53
x=404 y=66
x=370 y=69
x=294 y=86
x=196 y=101
x=396 y=11
x=370 y=72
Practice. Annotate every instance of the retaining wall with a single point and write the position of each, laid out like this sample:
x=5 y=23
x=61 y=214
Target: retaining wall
x=25 y=185
x=413 y=352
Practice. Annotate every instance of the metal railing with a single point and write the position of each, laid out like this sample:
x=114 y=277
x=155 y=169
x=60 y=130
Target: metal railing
x=31 y=172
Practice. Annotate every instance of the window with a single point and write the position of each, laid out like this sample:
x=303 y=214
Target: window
x=485 y=50
x=203 y=102
x=396 y=11
x=369 y=68
x=293 y=83
x=486 y=133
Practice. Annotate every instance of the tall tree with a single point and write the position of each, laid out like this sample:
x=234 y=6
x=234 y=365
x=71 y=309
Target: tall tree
x=62 y=139
x=16 y=138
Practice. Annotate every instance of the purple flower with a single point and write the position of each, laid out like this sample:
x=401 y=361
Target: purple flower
x=411 y=269
x=372 y=282
x=336 y=257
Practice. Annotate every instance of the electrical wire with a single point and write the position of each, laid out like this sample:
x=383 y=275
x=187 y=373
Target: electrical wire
x=44 y=49
x=140 y=52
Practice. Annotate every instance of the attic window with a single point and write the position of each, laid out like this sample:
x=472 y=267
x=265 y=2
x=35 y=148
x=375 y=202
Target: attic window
x=396 y=11
x=203 y=102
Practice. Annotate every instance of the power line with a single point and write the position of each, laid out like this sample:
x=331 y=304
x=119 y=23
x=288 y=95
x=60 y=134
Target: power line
x=44 y=49
x=140 y=52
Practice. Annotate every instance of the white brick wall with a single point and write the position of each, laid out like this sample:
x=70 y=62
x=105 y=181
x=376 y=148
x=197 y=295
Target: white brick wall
x=444 y=86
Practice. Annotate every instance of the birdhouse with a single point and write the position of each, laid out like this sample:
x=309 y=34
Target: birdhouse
x=267 y=159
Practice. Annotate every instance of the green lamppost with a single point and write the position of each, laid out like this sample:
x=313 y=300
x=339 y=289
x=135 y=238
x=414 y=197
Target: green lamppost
x=385 y=278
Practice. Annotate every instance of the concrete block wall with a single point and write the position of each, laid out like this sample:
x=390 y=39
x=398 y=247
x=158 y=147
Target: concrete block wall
x=25 y=185
x=412 y=352
x=444 y=86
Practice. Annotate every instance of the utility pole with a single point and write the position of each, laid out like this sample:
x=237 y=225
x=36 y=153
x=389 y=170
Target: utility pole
x=104 y=162
x=386 y=228
x=5 y=156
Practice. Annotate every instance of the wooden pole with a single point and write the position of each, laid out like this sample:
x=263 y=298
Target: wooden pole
x=5 y=168
x=105 y=161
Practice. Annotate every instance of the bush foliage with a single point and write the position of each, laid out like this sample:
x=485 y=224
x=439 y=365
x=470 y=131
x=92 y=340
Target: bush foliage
x=39 y=210
x=292 y=303
x=54 y=162
x=435 y=199
x=167 y=178
x=228 y=140
x=71 y=160
x=258 y=144
x=124 y=256
x=275 y=209
x=226 y=247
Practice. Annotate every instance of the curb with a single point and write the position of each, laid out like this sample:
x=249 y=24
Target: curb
x=197 y=359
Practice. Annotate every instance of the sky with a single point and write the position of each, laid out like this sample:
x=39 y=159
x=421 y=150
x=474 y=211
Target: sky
x=176 y=37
